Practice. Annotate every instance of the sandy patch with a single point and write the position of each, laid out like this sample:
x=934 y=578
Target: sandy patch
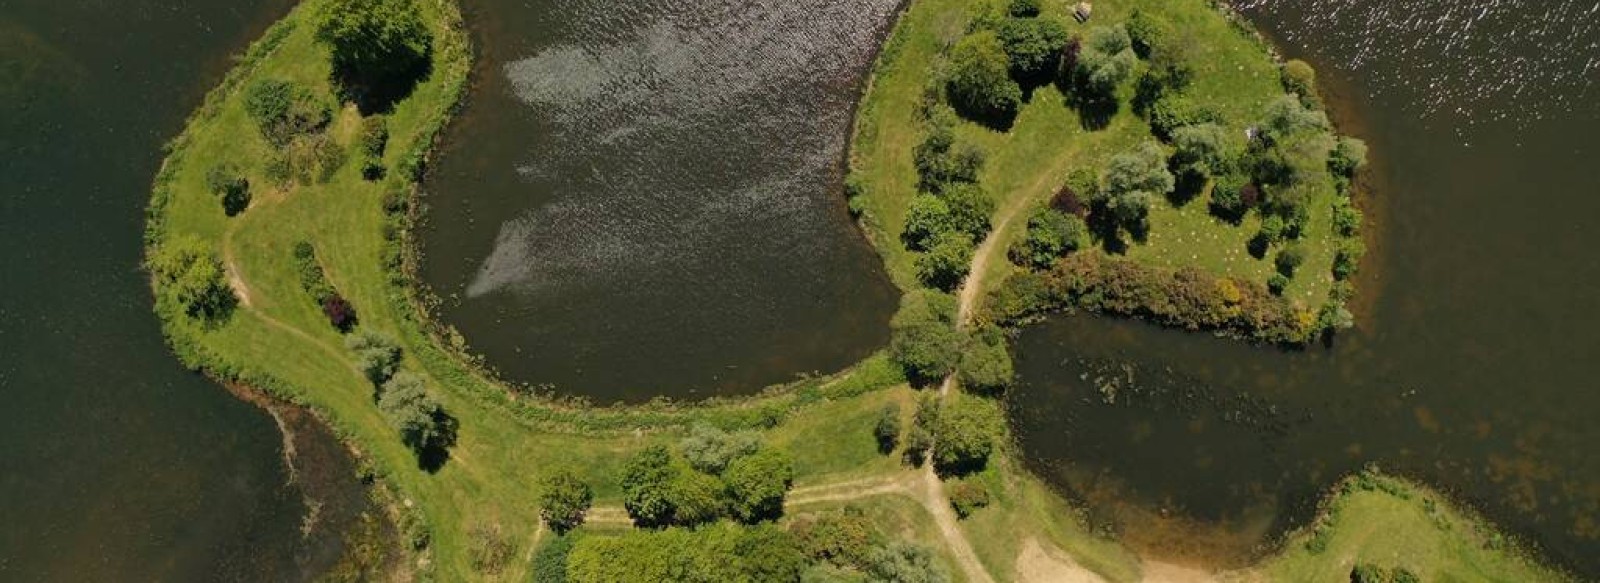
x=1037 y=564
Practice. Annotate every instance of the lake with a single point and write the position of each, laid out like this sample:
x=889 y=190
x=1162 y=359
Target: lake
x=1474 y=363
x=646 y=199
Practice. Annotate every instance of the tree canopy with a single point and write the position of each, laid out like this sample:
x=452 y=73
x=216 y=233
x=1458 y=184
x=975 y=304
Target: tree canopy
x=923 y=337
x=1033 y=46
x=563 y=500
x=758 y=483
x=980 y=84
x=190 y=278
x=380 y=47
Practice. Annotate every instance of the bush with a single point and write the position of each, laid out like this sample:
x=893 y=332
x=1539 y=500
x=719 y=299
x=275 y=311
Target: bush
x=722 y=552
x=845 y=539
x=1051 y=234
x=1104 y=61
x=1286 y=117
x=1289 y=259
x=923 y=337
x=379 y=48
x=1133 y=179
x=1145 y=33
x=563 y=500
x=940 y=160
x=1171 y=112
x=309 y=271
x=980 y=85
x=1272 y=228
x=341 y=315
x=374 y=139
x=1299 y=78
x=946 y=262
x=1346 y=219
x=1203 y=149
x=758 y=483
x=710 y=450
x=377 y=355
x=1347 y=259
x=550 y=561
x=1348 y=155
x=190 y=279
x=1033 y=47
x=229 y=184
x=904 y=562
x=1023 y=8
x=986 y=365
x=283 y=110
x=1277 y=283
x=488 y=548
x=967 y=496
x=887 y=430
x=965 y=430
x=927 y=217
x=1227 y=197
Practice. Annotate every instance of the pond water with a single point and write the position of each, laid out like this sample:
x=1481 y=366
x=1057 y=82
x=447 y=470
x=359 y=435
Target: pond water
x=1474 y=365
x=645 y=198
x=119 y=464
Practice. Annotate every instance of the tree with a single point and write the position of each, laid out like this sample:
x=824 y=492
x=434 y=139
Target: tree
x=844 y=538
x=710 y=450
x=1201 y=149
x=1348 y=258
x=1173 y=111
x=970 y=207
x=940 y=159
x=1348 y=155
x=380 y=47
x=964 y=433
x=923 y=337
x=904 y=562
x=927 y=217
x=946 y=262
x=1145 y=33
x=696 y=498
x=980 y=84
x=419 y=419
x=887 y=430
x=646 y=486
x=1299 y=79
x=283 y=110
x=1286 y=116
x=377 y=355
x=229 y=184
x=190 y=278
x=563 y=500
x=1033 y=47
x=1105 y=60
x=757 y=484
x=985 y=362
x=1051 y=234
x=1133 y=179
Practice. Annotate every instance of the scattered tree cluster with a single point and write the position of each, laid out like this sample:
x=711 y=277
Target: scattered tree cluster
x=293 y=120
x=926 y=342
x=403 y=398
x=191 y=279
x=721 y=475
x=847 y=546
x=1133 y=180
x=945 y=221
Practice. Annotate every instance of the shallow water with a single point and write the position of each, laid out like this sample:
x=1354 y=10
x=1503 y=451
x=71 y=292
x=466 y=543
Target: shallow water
x=119 y=464
x=645 y=198
x=1474 y=364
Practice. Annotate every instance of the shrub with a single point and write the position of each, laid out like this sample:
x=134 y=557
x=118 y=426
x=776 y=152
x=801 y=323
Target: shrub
x=967 y=496
x=1173 y=111
x=904 y=562
x=710 y=450
x=379 y=47
x=986 y=365
x=1347 y=259
x=721 y=552
x=1145 y=33
x=488 y=548
x=1272 y=228
x=845 y=538
x=550 y=561
x=377 y=355
x=887 y=429
x=970 y=206
x=1286 y=116
x=940 y=160
x=927 y=217
x=1084 y=182
x=283 y=110
x=647 y=478
x=758 y=483
x=1201 y=148
x=1299 y=78
x=563 y=500
x=190 y=279
x=946 y=262
x=341 y=315
x=965 y=430
x=980 y=85
x=1104 y=62
x=1289 y=259
x=1033 y=47
x=1346 y=219
x=696 y=498
x=1227 y=197
x=374 y=139
x=1277 y=283
x=1133 y=179
x=1348 y=155
x=923 y=338
x=229 y=184
x=309 y=272
x=1023 y=8
x=1051 y=234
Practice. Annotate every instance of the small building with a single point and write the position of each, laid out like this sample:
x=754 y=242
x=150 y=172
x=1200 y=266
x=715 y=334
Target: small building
x=1082 y=11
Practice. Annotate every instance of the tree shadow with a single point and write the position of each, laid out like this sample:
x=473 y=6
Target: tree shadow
x=378 y=93
x=1189 y=185
x=433 y=455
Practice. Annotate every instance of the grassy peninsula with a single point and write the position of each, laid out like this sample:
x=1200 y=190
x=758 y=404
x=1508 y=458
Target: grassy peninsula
x=279 y=244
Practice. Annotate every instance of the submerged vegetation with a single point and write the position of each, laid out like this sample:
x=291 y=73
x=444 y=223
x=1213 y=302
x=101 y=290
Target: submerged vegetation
x=315 y=144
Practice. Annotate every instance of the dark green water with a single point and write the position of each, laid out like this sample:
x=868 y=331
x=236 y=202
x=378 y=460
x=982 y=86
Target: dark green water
x=1474 y=366
x=118 y=464
x=645 y=198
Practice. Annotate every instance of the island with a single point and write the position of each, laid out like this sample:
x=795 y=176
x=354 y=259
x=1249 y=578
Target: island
x=1009 y=159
